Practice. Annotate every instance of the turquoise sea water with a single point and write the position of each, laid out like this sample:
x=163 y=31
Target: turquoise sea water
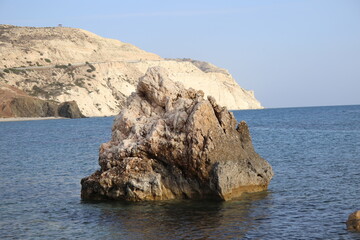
x=315 y=154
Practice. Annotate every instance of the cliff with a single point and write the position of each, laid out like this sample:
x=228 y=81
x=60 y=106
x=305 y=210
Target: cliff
x=16 y=103
x=66 y=64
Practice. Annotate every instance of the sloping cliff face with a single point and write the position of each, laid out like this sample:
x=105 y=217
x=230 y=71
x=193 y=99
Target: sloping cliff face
x=15 y=103
x=170 y=143
x=66 y=64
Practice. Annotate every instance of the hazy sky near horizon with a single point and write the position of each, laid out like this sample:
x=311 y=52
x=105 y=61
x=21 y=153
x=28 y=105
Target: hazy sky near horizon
x=290 y=52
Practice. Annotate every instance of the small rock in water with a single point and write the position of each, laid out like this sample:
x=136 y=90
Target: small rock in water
x=170 y=143
x=353 y=222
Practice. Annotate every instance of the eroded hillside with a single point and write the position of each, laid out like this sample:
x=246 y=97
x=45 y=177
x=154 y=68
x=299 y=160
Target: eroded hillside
x=65 y=64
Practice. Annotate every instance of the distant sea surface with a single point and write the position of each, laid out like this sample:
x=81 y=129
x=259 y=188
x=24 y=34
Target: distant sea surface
x=315 y=154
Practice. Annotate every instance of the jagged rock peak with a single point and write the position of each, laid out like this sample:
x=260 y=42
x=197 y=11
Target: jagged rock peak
x=170 y=143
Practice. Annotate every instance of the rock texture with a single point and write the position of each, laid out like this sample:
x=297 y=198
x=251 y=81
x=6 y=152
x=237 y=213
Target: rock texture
x=15 y=103
x=67 y=64
x=171 y=143
x=353 y=222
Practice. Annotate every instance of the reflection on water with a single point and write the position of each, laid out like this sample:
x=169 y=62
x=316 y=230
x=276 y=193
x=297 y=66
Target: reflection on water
x=184 y=219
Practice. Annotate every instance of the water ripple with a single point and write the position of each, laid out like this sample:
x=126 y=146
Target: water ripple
x=315 y=153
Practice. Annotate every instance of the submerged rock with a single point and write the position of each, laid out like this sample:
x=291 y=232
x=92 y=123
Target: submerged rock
x=353 y=222
x=170 y=143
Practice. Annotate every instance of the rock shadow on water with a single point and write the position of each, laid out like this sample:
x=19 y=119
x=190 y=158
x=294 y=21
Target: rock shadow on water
x=182 y=219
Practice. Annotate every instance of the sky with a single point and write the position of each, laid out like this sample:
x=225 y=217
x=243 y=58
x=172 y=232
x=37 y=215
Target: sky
x=292 y=53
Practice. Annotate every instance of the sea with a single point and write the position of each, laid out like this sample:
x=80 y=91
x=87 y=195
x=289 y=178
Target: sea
x=314 y=152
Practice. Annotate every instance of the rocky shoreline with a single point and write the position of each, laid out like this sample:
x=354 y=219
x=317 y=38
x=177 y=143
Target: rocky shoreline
x=20 y=119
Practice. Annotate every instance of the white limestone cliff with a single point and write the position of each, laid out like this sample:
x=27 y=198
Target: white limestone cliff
x=67 y=64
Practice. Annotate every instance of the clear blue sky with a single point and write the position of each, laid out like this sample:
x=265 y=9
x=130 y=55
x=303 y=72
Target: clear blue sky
x=291 y=52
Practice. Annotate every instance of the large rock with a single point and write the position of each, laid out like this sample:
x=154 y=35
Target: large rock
x=69 y=110
x=353 y=222
x=170 y=143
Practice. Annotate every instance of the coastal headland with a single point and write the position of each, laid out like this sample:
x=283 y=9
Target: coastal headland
x=60 y=64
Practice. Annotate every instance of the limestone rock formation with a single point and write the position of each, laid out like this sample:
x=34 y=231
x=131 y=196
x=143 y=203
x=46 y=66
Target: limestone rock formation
x=353 y=222
x=35 y=46
x=68 y=64
x=170 y=143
